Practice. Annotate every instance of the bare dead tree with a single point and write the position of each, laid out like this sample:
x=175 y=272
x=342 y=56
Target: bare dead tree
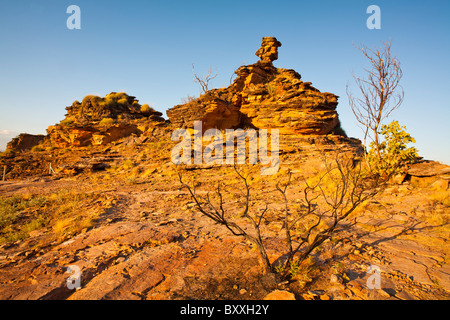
x=203 y=81
x=325 y=204
x=379 y=92
x=217 y=214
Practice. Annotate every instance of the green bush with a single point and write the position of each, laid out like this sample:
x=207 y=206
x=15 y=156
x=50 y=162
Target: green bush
x=91 y=101
x=10 y=207
x=66 y=122
x=393 y=151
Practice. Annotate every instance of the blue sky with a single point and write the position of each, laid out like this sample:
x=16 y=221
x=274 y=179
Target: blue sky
x=146 y=48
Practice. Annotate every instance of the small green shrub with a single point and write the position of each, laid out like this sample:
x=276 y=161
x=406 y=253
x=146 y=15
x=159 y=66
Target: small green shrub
x=106 y=122
x=271 y=89
x=90 y=101
x=393 y=151
x=10 y=207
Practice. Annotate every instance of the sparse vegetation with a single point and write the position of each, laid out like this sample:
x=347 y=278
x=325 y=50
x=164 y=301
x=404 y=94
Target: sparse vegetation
x=326 y=203
x=392 y=153
x=145 y=108
x=37 y=148
x=203 y=81
x=66 y=122
x=380 y=92
x=106 y=122
x=65 y=213
x=188 y=99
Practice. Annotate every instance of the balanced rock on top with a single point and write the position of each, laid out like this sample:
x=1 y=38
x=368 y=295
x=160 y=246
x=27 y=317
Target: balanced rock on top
x=268 y=52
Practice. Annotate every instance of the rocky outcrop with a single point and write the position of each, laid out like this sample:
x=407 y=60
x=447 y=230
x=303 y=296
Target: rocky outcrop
x=213 y=108
x=100 y=121
x=427 y=168
x=25 y=141
x=268 y=52
x=61 y=136
x=114 y=105
x=265 y=97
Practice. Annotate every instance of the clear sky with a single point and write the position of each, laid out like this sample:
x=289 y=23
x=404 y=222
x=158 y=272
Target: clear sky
x=146 y=48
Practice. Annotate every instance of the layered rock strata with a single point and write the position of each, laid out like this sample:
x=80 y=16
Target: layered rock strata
x=100 y=121
x=265 y=97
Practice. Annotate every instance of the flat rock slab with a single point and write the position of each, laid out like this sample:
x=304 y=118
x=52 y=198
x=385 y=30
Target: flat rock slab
x=428 y=169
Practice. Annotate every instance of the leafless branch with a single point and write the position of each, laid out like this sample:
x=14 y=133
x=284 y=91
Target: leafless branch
x=379 y=92
x=208 y=209
x=325 y=203
x=203 y=81
x=336 y=194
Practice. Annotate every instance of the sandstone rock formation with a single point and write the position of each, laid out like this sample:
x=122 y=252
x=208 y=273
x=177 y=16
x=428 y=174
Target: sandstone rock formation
x=114 y=105
x=269 y=49
x=25 y=141
x=265 y=97
x=429 y=173
x=99 y=121
x=96 y=121
x=261 y=97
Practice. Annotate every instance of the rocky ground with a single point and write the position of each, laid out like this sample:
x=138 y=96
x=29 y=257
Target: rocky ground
x=100 y=194
x=150 y=242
